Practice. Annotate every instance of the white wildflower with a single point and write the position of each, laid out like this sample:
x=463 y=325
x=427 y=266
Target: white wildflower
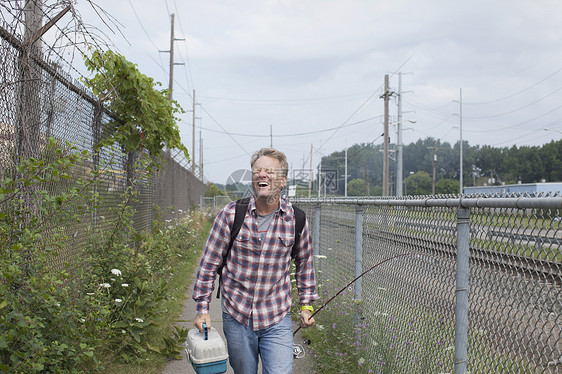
x=140 y=320
x=123 y=332
x=105 y=285
x=116 y=272
x=118 y=300
x=124 y=284
x=82 y=320
x=90 y=293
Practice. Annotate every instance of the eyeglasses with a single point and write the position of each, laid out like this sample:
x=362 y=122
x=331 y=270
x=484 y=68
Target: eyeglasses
x=269 y=172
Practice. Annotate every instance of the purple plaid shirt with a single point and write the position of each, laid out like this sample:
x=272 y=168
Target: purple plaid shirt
x=255 y=280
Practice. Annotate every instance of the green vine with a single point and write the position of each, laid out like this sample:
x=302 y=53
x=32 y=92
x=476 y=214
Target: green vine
x=145 y=116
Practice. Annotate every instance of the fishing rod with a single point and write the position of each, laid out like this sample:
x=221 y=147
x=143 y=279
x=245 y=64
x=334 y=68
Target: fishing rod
x=355 y=280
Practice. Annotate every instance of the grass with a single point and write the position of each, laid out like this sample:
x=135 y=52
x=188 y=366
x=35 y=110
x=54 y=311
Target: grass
x=171 y=308
x=386 y=336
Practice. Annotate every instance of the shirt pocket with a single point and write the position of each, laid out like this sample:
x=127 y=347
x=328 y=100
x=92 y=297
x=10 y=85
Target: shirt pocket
x=284 y=247
x=286 y=240
x=245 y=247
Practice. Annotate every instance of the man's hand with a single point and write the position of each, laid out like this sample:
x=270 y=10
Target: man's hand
x=200 y=319
x=306 y=318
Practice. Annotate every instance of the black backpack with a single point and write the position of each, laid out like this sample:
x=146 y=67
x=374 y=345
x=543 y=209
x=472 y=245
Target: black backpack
x=239 y=215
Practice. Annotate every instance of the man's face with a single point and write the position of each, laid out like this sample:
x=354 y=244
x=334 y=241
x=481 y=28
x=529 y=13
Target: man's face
x=267 y=181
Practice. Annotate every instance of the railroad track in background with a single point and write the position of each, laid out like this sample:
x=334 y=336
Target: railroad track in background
x=538 y=269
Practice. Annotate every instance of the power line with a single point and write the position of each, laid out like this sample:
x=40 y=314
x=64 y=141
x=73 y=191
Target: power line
x=293 y=134
x=320 y=100
x=363 y=104
x=516 y=93
x=520 y=108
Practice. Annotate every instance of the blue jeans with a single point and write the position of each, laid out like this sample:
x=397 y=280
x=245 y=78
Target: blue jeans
x=274 y=344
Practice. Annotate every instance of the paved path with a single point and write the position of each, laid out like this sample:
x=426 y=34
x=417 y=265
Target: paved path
x=183 y=366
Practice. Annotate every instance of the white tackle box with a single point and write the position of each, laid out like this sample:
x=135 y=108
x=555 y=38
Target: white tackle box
x=206 y=351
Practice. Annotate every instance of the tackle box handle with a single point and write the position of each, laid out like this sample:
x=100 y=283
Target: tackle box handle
x=205 y=331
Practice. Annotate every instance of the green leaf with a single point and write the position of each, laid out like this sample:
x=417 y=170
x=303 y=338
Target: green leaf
x=121 y=324
x=153 y=349
x=136 y=335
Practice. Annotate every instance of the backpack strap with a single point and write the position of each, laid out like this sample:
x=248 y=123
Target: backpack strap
x=239 y=215
x=300 y=219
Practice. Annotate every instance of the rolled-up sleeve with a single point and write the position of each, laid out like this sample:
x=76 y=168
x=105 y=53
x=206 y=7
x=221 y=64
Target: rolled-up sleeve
x=215 y=248
x=304 y=263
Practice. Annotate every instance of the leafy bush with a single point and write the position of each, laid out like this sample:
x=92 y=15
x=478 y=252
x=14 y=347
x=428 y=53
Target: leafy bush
x=42 y=321
x=99 y=310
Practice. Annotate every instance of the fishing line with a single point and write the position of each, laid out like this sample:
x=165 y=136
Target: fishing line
x=355 y=280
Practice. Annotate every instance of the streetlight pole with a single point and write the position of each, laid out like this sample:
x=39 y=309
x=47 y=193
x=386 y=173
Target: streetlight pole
x=345 y=187
x=386 y=97
x=399 y=140
x=460 y=130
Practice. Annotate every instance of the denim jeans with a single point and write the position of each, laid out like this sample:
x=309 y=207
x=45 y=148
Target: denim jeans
x=274 y=345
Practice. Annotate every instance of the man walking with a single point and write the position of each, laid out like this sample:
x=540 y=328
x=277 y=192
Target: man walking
x=256 y=285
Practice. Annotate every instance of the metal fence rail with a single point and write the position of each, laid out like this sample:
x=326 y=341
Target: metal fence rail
x=473 y=284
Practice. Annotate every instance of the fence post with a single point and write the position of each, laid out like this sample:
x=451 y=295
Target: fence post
x=358 y=249
x=461 y=290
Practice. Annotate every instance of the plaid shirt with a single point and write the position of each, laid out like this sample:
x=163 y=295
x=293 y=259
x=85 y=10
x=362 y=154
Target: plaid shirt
x=255 y=281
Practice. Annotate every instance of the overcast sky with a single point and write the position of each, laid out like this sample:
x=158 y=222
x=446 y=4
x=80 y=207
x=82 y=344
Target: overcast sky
x=312 y=71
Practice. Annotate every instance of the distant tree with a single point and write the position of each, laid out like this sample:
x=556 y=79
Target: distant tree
x=551 y=154
x=356 y=187
x=504 y=165
x=447 y=186
x=419 y=184
x=375 y=190
x=212 y=190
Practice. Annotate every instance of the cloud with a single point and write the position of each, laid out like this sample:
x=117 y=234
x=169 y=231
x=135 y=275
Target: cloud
x=315 y=64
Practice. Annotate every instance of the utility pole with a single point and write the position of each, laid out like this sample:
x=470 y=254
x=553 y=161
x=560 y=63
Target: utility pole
x=345 y=179
x=386 y=97
x=399 y=159
x=319 y=173
x=366 y=191
x=171 y=82
x=434 y=165
x=172 y=63
x=193 y=137
x=200 y=156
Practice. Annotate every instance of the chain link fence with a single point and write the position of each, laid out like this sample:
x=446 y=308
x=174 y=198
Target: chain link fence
x=214 y=204
x=39 y=101
x=471 y=285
